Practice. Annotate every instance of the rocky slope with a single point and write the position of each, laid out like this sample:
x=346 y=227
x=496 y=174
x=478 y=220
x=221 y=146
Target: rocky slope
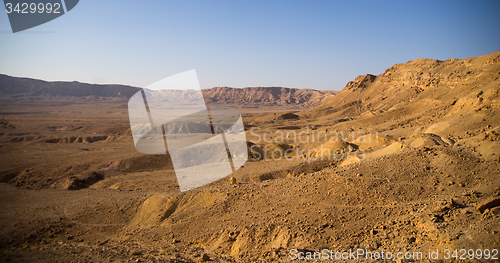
x=267 y=96
x=452 y=86
x=457 y=100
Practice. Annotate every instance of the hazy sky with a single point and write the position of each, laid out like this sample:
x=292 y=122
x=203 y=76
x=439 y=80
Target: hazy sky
x=301 y=44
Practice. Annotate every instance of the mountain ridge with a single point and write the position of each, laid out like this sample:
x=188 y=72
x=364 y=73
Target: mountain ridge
x=470 y=81
x=16 y=87
x=270 y=96
x=34 y=89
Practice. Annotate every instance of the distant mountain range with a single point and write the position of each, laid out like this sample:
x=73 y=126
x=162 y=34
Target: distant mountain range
x=26 y=88
x=33 y=89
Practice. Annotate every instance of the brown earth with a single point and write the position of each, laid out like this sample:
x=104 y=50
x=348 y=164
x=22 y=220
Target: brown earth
x=404 y=161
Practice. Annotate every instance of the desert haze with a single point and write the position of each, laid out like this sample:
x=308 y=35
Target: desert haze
x=407 y=160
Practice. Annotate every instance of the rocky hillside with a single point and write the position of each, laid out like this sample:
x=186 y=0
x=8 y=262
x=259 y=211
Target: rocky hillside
x=415 y=103
x=456 y=100
x=421 y=85
x=268 y=96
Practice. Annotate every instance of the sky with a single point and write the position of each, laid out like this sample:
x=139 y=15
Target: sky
x=298 y=44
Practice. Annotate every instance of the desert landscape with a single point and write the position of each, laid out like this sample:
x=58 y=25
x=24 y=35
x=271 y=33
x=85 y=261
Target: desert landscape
x=404 y=161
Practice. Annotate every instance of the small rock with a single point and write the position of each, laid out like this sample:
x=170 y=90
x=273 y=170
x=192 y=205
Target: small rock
x=496 y=210
x=489 y=203
x=465 y=211
x=232 y=180
x=135 y=252
x=436 y=218
x=444 y=205
x=205 y=257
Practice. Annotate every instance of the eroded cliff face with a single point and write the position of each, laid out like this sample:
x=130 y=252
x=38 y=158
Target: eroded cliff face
x=266 y=96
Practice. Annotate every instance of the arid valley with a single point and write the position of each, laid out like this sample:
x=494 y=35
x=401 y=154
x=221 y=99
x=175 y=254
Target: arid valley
x=404 y=161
